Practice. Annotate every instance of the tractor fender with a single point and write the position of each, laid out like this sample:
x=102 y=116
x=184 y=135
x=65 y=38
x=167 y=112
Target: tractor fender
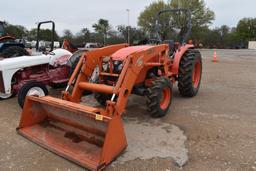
x=75 y=57
x=6 y=38
x=177 y=57
x=59 y=57
x=7 y=76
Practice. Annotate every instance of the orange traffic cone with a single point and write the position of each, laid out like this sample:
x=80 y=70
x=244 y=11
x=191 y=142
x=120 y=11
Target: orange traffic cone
x=215 y=56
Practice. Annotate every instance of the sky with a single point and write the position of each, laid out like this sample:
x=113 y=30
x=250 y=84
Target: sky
x=77 y=14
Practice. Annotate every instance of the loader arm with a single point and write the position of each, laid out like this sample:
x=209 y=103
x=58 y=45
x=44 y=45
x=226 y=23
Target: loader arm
x=85 y=68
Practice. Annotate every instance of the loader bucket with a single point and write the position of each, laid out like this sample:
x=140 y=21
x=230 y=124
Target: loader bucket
x=73 y=131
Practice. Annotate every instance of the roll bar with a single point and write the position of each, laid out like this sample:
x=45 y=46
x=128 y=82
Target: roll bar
x=38 y=33
x=185 y=11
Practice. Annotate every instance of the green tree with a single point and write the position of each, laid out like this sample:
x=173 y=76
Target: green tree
x=82 y=37
x=233 y=39
x=95 y=37
x=246 y=29
x=45 y=34
x=201 y=17
x=32 y=34
x=68 y=34
x=17 y=31
x=136 y=34
x=123 y=30
x=220 y=37
x=147 y=19
x=85 y=33
x=225 y=32
x=202 y=37
x=114 y=37
x=102 y=27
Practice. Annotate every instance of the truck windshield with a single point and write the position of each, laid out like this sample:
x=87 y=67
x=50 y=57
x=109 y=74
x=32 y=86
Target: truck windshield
x=1 y=29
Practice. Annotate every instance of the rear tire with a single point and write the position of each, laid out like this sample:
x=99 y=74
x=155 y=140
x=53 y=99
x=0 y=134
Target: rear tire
x=159 y=97
x=32 y=88
x=190 y=72
x=14 y=51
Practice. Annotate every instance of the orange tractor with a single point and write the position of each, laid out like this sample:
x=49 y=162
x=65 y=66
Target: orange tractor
x=94 y=136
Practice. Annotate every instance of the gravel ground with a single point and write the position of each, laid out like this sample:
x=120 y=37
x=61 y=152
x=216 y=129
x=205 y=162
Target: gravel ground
x=212 y=131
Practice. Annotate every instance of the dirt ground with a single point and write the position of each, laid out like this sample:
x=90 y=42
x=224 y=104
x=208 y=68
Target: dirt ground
x=215 y=130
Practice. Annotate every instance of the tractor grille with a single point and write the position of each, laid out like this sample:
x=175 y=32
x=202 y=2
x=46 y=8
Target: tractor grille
x=2 y=90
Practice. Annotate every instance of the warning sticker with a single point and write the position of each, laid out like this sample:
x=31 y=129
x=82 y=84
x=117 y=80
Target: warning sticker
x=99 y=117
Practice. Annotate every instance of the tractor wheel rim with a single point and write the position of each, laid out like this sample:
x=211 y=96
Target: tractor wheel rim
x=165 y=100
x=36 y=91
x=196 y=77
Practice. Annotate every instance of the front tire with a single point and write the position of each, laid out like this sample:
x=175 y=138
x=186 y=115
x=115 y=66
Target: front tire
x=190 y=72
x=159 y=97
x=102 y=98
x=31 y=88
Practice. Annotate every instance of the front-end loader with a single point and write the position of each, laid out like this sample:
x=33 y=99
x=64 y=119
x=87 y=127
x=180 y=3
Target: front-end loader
x=94 y=136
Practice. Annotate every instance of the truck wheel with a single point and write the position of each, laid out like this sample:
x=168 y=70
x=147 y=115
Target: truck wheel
x=159 y=97
x=102 y=98
x=14 y=51
x=190 y=72
x=31 y=88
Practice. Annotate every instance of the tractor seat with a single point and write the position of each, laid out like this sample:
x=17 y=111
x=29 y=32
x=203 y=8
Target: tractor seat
x=173 y=46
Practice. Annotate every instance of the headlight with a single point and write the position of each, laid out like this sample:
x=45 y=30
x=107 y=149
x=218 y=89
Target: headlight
x=118 y=66
x=116 y=62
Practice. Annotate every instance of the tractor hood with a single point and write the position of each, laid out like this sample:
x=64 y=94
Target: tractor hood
x=121 y=54
x=24 y=61
x=58 y=56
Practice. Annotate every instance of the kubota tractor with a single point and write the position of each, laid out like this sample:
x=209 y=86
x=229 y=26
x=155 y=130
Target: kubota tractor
x=94 y=136
x=8 y=46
